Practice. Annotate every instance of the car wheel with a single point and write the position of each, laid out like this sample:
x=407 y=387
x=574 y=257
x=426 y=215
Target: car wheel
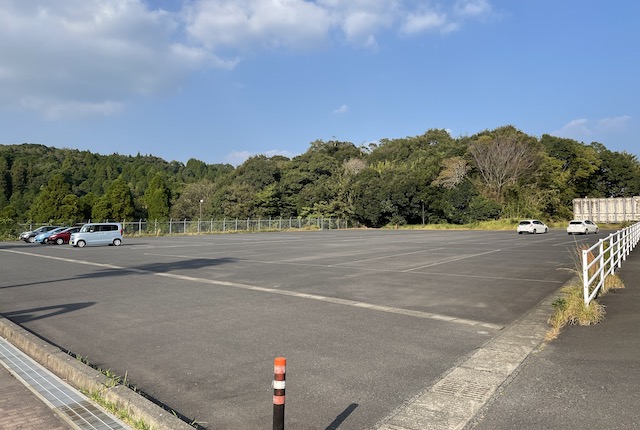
x=597 y=231
x=32 y=239
x=59 y=241
x=117 y=242
x=546 y=230
x=81 y=244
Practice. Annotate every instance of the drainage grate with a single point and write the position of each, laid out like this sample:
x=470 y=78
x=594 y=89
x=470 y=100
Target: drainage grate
x=460 y=388
x=57 y=394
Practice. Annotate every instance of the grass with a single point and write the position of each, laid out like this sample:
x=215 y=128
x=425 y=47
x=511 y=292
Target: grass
x=501 y=224
x=570 y=308
x=496 y=225
x=121 y=413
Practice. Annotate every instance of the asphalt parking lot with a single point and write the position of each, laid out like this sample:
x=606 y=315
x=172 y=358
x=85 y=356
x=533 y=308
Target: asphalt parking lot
x=367 y=319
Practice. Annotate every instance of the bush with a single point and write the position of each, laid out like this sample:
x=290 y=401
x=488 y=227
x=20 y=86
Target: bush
x=8 y=229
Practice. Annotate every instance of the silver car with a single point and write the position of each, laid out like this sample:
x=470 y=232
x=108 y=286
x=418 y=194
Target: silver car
x=106 y=233
x=30 y=236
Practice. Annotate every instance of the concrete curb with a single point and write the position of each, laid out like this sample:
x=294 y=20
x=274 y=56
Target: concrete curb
x=83 y=377
x=455 y=400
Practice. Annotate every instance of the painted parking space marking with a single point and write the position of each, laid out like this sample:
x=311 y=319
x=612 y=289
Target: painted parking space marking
x=451 y=260
x=326 y=299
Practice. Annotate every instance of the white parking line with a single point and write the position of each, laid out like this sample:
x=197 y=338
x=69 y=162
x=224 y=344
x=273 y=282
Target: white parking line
x=385 y=256
x=342 y=266
x=334 y=300
x=451 y=260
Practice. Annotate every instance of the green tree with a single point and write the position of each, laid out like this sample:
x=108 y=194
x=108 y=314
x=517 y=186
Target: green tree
x=55 y=202
x=618 y=174
x=5 y=182
x=116 y=204
x=578 y=165
x=157 y=198
x=187 y=204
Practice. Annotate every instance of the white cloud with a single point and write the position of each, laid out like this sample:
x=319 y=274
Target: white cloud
x=236 y=158
x=473 y=7
x=305 y=25
x=294 y=24
x=342 y=109
x=88 y=57
x=574 y=128
x=92 y=57
x=613 y=124
x=583 y=129
x=418 y=22
x=275 y=152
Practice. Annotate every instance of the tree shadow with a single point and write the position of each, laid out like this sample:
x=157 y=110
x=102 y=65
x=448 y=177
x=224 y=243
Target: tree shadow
x=187 y=264
x=342 y=417
x=27 y=315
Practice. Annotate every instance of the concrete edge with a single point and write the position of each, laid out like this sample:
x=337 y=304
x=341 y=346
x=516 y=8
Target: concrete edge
x=458 y=398
x=83 y=377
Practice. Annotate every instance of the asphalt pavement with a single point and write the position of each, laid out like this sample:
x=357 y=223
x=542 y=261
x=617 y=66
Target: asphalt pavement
x=588 y=377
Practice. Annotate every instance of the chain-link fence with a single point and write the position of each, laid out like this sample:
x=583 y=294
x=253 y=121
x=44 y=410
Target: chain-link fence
x=145 y=227
x=226 y=225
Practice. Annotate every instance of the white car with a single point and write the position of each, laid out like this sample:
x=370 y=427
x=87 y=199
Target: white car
x=578 y=226
x=532 y=226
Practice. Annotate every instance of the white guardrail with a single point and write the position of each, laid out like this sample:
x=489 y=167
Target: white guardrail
x=606 y=256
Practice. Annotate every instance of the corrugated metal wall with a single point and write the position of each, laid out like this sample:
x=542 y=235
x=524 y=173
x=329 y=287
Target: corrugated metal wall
x=603 y=210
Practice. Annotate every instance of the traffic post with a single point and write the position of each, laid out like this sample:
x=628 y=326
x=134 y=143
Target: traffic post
x=279 y=376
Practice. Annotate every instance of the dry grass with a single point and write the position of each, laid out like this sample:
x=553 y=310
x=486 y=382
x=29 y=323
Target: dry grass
x=612 y=282
x=570 y=309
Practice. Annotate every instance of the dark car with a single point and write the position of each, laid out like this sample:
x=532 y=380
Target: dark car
x=63 y=236
x=30 y=236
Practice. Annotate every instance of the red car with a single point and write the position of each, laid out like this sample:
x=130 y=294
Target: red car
x=63 y=236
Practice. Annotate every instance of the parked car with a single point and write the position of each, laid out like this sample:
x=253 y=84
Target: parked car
x=107 y=233
x=63 y=236
x=30 y=236
x=532 y=226
x=578 y=226
x=44 y=236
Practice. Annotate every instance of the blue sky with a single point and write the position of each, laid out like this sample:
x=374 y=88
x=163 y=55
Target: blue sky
x=221 y=80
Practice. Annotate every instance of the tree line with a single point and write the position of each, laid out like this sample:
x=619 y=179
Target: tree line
x=431 y=178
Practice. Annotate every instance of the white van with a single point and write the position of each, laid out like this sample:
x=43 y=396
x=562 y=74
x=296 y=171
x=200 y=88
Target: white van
x=104 y=233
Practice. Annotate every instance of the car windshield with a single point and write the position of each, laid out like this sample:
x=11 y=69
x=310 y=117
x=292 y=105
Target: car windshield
x=575 y=222
x=525 y=222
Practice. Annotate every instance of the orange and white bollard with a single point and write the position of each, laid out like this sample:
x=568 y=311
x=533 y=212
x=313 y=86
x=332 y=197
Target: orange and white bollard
x=279 y=373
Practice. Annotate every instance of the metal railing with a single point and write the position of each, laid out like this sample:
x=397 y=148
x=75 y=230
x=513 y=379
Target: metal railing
x=603 y=258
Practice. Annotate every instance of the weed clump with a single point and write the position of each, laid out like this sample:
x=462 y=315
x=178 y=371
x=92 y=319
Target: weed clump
x=571 y=309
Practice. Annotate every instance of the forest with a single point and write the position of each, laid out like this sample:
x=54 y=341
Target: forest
x=430 y=178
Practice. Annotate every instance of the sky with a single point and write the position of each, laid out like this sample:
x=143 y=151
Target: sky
x=223 y=80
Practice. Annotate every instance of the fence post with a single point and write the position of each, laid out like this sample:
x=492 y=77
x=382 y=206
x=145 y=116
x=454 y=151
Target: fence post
x=170 y=225
x=585 y=277
x=279 y=376
x=602 y=261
